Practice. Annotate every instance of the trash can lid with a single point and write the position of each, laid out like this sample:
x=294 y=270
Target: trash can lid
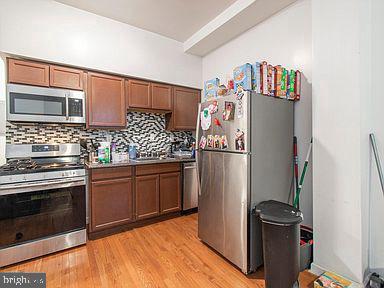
x=279 y=213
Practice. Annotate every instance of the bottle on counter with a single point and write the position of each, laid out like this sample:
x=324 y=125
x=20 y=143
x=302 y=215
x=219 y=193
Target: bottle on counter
x=132 y=150
x=104 y=152
x=114 y=157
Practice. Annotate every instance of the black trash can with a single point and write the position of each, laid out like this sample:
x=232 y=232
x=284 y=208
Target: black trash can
x=281 y=243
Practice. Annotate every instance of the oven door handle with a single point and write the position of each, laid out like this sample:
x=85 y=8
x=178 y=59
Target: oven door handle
x=41 y=185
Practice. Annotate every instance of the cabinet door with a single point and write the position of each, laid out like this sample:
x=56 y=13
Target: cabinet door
x=170 y=195
x=28 y=72
x=147 y=196
x=111 y=203
x=64 y=77
x=185 y=105
x=139 y=94
x=161 y=97
x=106 y=101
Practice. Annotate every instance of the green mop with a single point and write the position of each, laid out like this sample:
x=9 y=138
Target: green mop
x=296 y=202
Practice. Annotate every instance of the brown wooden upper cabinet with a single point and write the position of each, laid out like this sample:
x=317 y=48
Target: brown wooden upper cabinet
x=28 y=72
x=139 y=94
x=64 y=77
x=162 y=97
x=185 y=106
x=106 y=101
x=41 y=74
x=149 y=96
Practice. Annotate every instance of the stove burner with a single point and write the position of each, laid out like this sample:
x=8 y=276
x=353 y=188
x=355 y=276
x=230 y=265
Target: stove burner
x=28 y=165
x=19 y=164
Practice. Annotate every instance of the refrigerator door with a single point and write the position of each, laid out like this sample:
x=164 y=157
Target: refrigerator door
x=238 y=121
x=223 y=204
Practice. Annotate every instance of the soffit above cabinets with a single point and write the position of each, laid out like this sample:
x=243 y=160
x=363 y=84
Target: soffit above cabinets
x=235 y=20
x=175 y=19
x=201 y=25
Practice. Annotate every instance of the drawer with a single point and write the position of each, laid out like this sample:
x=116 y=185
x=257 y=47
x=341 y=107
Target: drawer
x=147 y=169
x=111 y=173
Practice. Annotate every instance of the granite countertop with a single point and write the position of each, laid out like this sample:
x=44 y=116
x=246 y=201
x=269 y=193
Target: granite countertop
x=134 y=163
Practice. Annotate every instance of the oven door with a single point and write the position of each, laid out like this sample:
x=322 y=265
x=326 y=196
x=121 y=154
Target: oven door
x=39 y=104
x=33 y=211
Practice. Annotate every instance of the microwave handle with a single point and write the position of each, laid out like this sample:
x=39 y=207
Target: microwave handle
x=66 y=106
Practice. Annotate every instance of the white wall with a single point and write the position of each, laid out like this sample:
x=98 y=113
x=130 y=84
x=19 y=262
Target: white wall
x=377 y=198
x=51 y=31
x=284 y=39
x=48 y=30
x=341 y=121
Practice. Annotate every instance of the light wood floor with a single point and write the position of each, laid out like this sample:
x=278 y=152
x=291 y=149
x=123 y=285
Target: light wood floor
x=165 y=254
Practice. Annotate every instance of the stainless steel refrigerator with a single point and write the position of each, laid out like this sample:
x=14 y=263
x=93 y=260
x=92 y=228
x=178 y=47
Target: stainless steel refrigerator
x=244 y=156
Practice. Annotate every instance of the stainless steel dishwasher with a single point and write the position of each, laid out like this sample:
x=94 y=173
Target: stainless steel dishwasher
x=190 y=186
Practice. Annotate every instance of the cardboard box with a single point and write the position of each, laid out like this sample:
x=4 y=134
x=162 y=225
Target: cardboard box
x=298 y=85
x=242 y=76
x=210 y=89
x=264 y=78
x=256 y=77
x=278 y=75
x=291 y=87
x=330 y=280
x=284 y=81
x=271 y=80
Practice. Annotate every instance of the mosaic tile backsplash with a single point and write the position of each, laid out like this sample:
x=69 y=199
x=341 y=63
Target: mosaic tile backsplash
x=147 y=130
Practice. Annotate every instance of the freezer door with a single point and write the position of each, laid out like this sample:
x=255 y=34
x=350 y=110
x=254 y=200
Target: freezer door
x=223 y=204
x=240 y=120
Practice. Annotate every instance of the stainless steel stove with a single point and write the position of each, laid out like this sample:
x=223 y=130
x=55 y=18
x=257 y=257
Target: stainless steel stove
x=42 y=201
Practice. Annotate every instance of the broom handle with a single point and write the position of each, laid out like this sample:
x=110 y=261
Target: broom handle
x=297 y=198
x=377 y=159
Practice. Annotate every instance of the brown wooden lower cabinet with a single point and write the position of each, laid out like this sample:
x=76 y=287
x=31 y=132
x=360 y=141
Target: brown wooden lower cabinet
x=147 y=196
x=170 y=192
x=111 y=203
x=121 y=195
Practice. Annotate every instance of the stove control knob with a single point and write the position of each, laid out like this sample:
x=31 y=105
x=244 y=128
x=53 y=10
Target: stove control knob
x=19 y=235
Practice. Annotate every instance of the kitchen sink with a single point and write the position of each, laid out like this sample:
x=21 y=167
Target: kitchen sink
x=144 y=159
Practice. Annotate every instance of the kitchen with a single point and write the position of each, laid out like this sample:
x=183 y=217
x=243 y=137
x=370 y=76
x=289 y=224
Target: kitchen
x=102 y=132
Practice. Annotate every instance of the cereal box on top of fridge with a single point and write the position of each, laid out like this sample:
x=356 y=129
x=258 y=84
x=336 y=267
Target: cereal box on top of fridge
x=271 y=80
x=210 y=89
x=256 y=77
x=298 y=85
x=284 y=79
x=278 y=75
x=264 y=78
x=242 y=76
x=291 y=86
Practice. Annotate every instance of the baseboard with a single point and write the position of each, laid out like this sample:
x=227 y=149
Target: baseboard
x=318 y=270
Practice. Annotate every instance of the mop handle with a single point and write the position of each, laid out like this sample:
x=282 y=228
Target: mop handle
x=297 y=198
x=377 y=158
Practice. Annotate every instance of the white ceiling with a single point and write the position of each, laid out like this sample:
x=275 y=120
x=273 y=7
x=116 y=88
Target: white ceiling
x=176 y=19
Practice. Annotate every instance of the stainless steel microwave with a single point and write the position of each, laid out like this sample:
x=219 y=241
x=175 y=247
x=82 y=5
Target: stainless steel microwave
x=49 y=105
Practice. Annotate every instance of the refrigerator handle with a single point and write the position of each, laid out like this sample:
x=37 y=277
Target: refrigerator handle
x=198 y=149
x=198 y=125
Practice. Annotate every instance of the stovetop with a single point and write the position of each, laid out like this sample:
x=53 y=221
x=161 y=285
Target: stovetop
x=29 y=165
